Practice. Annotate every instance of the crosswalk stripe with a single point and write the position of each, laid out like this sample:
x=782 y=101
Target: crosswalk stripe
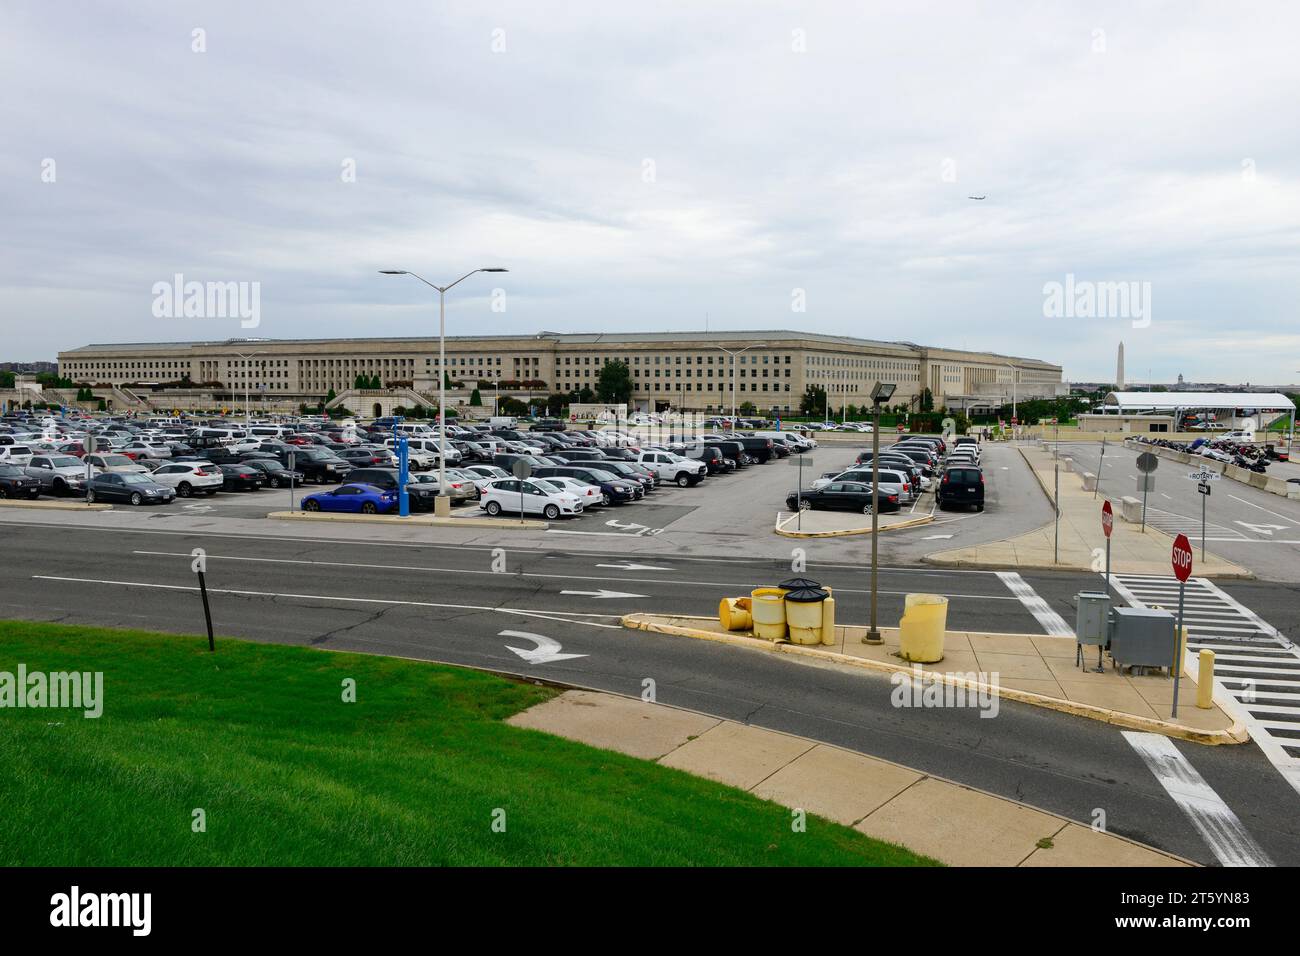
x=1051 y=622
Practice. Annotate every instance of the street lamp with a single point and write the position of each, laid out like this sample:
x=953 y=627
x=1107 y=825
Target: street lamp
x=1015 y=375
x=880 y=393
x=442 y=504
x=247 y=368
x=756 y=345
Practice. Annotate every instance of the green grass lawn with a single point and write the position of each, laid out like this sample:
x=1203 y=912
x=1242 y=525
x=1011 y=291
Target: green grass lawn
x=258 y=736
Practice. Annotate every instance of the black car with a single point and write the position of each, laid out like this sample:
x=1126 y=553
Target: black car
x=241 y=477
x=134 y=488
x=419 y=496
x=613 y=488
x=277 y=476
x=961 y=485
x=842 y=496
x=316 y=463
x=16 y=483
x=631 y=472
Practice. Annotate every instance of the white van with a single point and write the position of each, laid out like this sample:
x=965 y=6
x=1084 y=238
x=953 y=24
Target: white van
x=270 y=431
x=502 y=421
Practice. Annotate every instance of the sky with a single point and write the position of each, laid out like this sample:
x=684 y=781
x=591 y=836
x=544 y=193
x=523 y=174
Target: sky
x=660 y=167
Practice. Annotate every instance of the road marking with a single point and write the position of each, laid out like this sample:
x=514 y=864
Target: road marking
x=1262 y=508
x=937 y=537
x=546 y=652
x=1227 y=838
x=629 y=566
x=1051 y=622
x=1267 y=529
x=603 y=595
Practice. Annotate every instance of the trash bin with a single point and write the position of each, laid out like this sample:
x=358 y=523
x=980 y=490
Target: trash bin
x=803 y=614
x=734 y=613
x=920 y=632
x=767 y=608
x=791 y=583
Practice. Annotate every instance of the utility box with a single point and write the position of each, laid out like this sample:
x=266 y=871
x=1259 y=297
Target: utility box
x=1142 y=637
x=1092 y=618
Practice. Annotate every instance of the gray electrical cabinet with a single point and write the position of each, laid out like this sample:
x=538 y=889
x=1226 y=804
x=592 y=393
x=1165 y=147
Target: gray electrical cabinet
x=1142 y=637
x=1092 y=617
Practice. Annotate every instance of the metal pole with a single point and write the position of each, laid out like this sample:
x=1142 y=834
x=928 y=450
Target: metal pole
x=873 y=635
x=798 y=501
x=1056 y=504
x=1101 y=466
x=1203 y=497
x=207 y=612
x=1146 y=483
x=1178 y=647
x=442 y=403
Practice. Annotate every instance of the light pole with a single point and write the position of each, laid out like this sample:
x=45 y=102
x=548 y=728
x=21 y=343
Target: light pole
x=880 y=393
x=1015 y=375
x=756 y=345
x=442 y=504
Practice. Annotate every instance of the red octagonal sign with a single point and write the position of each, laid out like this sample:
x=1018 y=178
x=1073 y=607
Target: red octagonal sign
x=1107 y=518
x=1182 y=558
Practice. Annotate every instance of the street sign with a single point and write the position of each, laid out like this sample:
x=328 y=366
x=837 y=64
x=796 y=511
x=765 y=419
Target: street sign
x=1203 y=476
x=522 y=469
x=1107 y=519
x=1147 y=463
x=1181 y=559
x=1203 y=488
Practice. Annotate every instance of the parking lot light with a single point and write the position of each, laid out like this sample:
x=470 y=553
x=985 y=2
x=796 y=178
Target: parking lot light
x=442 y=503
x=880 y=393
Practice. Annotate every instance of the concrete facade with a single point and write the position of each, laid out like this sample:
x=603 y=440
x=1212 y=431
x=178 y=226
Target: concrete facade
x=687 y=370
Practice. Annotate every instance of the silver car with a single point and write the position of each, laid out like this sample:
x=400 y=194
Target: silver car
x=58 y=474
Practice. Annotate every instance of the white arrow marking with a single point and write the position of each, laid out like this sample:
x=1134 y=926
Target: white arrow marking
x=603 y=594
x=935 y=537
x=199 y=508
x=1267 y=529
x=629 y=566
x=547 y=650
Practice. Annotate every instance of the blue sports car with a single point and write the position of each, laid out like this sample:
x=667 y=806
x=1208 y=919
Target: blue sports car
x=353 y=499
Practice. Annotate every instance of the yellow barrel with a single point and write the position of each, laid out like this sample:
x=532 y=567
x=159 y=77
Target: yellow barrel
x=1205 y=680
x=733 y=613
x=920 y=633
x=768 y=611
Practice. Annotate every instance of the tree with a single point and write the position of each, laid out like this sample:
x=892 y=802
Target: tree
x=556 y=402
x=330 y=396
x=748 y=409
x=927 y=400
x=7 y=379
x=813 y=400
x=475 y=398
x=614 y=385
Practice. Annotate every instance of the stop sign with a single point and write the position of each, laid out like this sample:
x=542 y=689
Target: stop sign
x=1107 y=519
x=1182 y=558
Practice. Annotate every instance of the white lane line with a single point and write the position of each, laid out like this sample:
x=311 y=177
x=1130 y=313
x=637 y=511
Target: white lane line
x=1228 y=840
x=1262 y=508
x=1052 y=622
x=318 y=597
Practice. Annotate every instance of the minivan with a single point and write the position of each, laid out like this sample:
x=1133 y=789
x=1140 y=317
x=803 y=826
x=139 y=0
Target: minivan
x=961 y=485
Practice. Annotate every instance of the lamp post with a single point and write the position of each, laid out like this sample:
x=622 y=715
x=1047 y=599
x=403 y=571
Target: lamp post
x=756 y=345
x=880 y=393
x=442 y=504
x=245 y=356
x=1015 y=375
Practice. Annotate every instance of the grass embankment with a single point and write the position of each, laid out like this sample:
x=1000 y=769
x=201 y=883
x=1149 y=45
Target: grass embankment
x=259 y=738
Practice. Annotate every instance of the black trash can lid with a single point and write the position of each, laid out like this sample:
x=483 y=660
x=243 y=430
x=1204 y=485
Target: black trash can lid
x=793 y=584
x=807 y=595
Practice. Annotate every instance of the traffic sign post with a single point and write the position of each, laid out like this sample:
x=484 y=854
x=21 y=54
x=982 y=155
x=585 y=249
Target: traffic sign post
x=797 y=460
x=1101 y=467
x=292 y=460
x=1147 y=463
x=1204 y=489
x=1182 y=564
x=1107 y=526
x=522 y=470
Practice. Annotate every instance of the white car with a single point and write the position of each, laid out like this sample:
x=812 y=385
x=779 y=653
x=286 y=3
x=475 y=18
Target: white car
x=590 y=495
x=189 y=477
x=20 y=455
x=892 y=482
x=486 y=472
x=534 y=496
x=145 y=449
x=671 y=467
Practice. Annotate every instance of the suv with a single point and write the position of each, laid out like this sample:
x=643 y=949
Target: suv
x=58 y=474
x=316 y=464
x=420 y=495
x=961 y=485
x=670 y=467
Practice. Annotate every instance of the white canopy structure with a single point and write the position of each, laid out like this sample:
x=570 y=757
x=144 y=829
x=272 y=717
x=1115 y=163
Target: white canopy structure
x=1265 y=407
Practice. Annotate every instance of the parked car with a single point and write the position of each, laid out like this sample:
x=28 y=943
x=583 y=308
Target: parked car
x=961 y=485
x=669 y=467
x=613 y=488
x=114 y=464
x=135 y=489
x=458 y=489
x=20 y=455
x=16 y=483
x=58 y=474
x=844 y=496
x=533 y=496
x=277 y=476
x=189 y=477
x=890 y=481
x=316 y=463
x=420 y=493
x=241 y=478
x=352 y=498
x=589 y=494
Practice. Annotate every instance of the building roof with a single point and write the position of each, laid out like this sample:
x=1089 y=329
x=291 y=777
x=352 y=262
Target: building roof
x=1174 y=401
x=564 y=338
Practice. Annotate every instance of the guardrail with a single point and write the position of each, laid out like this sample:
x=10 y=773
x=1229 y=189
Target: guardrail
x=1264 y=482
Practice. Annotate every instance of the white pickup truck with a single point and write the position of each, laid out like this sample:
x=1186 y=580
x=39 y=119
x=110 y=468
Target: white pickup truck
x=670 y=467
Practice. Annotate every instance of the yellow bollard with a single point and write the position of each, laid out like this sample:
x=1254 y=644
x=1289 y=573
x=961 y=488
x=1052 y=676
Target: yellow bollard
x=1182 y=652
x=1205 y=681
x=828 y=620
x=921 y=630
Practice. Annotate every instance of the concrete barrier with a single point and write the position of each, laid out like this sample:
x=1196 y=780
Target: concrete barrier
x=1130 y=509
x=1089 y=481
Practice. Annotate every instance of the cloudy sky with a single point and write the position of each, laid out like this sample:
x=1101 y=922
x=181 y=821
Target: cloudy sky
x=660 y=166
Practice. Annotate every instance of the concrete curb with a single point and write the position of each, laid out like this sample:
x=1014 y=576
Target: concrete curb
x=1279 y=487
x=54 y=505
x=909 y=523
x=1235 y=734
x=425 y=519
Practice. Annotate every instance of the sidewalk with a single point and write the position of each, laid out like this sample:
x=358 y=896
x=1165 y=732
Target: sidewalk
x=1029 y=668
x=957 y=825
x=1133 y=551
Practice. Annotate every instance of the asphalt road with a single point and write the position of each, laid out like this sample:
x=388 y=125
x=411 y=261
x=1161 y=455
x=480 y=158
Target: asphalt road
x=1253 y=528
x=447 y=603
